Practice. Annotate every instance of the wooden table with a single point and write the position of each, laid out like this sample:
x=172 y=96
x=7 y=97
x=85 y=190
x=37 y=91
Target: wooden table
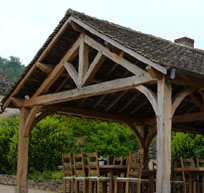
x=112 y=169
x=192 y=170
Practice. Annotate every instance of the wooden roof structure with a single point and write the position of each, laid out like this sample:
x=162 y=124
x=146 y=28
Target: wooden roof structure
x=96 y=69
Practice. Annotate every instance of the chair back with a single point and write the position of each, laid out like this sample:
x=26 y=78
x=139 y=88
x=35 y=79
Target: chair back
x=135 y=165
x=67 y=164
x=200 y=162
x=79 y=165
x=187 y=162
x=118 y=161
x=93 y=166
x=107 y=160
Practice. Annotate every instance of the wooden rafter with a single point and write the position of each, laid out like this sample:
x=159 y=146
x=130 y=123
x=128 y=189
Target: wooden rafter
x=116 y=58
x=116 y=99
x=75 y=111
x=132 y=99
x=41 y=57
x=119 y=46
x=62 y=84
x=57 y=71
x=45 y=67
x=197 y=102
x=138 y=107
x=93 y=90
x=72 y=72
x=99 y=101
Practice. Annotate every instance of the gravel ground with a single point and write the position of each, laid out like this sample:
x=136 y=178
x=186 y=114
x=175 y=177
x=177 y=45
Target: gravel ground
x=11 y=189
x=45 y=185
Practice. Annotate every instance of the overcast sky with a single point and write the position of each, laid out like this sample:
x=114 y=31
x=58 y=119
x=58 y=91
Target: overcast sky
x=26 y=24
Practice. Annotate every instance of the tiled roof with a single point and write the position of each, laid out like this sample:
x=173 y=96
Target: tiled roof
x=156 y=49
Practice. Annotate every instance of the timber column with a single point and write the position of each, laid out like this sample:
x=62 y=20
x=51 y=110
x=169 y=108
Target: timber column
x=23 y=143
x=164 y=125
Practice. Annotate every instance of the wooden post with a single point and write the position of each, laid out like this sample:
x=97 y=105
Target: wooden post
x=144 y=132
x=164 y=125
x=23 y=143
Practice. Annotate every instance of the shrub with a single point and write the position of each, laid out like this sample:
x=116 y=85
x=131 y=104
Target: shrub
x=8 y=128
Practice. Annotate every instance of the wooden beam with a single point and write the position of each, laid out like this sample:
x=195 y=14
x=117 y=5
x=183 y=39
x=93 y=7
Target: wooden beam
x=76 y=27
x=94 y=66
x=197 y=102
x=164 y=126
x=99 y=101
x=93 y=90
x=17 y=102
x=40 y=58
x=116 y=99
x=120 y=46
x=116 y=58
x=83 y=61
x=139 y=106
x=74 y=111
x=187 y=129
x=132 y=99
x=72 y=72
x=154 y=73
x=189 y=117
x=62 y=84
x=57 y=71
x=150 y=96
x=46 y=68
x=179 y=98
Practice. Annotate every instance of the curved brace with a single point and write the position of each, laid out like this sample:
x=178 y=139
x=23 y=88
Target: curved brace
x=150 y=136
x=30 y=118
x=150 y=96
x=179 y=98
x=38 y=119
x=135 y=132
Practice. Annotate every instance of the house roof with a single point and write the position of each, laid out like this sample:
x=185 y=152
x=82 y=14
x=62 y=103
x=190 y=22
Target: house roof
x=5 y=83
x=160 y=51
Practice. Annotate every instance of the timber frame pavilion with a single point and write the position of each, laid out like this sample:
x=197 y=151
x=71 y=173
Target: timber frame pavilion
x=95 y=69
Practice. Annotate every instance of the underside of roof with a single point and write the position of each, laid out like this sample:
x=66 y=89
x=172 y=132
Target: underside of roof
x=139 y=49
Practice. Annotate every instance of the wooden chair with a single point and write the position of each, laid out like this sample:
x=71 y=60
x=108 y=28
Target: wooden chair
x=79 y=172
x=68 y=173
x=94 y=173
x=200 y=185
x=118 y=160
x=186 y=163
x=134 y=172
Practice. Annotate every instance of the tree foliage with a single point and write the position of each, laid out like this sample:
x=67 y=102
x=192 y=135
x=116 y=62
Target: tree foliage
x=12 y=67
x=55 y=135
x=187 y=145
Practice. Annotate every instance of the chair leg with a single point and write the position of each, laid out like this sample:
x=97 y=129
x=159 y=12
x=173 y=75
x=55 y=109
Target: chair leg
x=76 y=186
x=64 y=186
x=139 y=187
x=98 y=186
x=127 y=187
x=90 y=186
x=116 y=187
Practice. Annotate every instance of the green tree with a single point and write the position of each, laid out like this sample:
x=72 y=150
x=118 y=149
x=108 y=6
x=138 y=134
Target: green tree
x=12 y=67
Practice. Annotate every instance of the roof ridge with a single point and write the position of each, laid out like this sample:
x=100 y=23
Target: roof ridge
x=74 y=12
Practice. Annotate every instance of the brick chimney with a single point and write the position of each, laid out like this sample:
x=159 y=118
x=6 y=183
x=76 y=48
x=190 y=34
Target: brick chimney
x=185 y=41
